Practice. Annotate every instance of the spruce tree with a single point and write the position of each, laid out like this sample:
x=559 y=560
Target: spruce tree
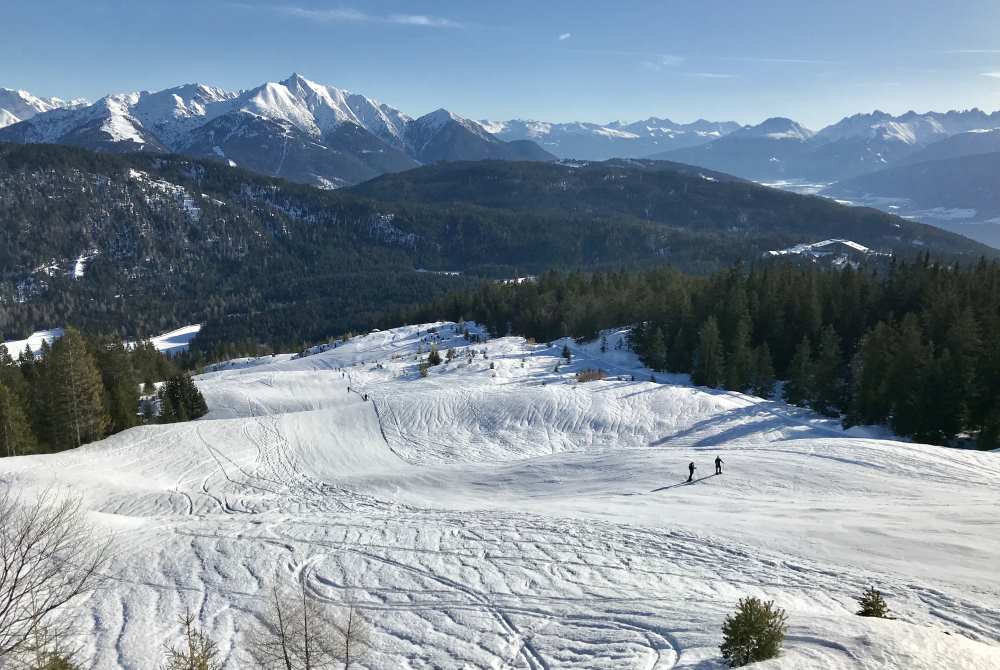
x=75 y=392
x=740 y=361
x=121 y=386
x=799 y=389
x=829 y=385
x=656 y=350
x=763 y=373
x=16 y=438
x=710 y=364
x=907 y=379
x=870 y=403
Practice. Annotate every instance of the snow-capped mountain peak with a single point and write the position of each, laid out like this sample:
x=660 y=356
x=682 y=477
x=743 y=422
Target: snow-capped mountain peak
x=20 y=105
x=776 y=128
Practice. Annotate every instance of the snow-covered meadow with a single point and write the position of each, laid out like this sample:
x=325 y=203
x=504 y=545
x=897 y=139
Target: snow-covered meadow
x=498 y=514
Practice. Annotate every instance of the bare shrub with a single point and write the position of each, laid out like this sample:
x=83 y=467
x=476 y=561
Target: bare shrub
x=49 y=559
x=590 y=375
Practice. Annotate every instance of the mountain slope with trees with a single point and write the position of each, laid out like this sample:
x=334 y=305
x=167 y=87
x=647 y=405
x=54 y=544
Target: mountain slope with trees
x=141 y=244
x=911 y=346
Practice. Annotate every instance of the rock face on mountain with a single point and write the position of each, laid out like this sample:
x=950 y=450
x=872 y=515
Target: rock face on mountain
x=296 y=129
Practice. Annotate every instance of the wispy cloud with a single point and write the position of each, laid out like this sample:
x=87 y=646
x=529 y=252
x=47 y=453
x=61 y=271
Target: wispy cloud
x=991 y=75
x=784 y=61
x=662 y=61
x=565 y=36
x=710 y=75
x=351 y=15
x=972 y=51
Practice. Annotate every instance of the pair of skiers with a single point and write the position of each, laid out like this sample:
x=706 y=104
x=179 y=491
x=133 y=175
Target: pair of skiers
x=692 y=468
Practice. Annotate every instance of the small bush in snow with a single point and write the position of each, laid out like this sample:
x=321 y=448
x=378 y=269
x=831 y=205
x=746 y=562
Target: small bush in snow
x=753 y=633
x=873 y=604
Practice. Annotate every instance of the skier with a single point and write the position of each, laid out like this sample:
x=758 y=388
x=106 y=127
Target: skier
x=691 y=470
x=718 y=465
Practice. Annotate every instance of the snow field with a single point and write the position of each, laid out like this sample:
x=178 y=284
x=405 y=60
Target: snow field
x=513 y=518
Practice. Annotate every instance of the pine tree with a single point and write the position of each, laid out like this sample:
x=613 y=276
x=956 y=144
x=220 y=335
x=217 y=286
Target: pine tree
x=656 y=350
x=829 y=385
x=870 y=403
x=763 y=374
x=16 y=438
x=799 y=389
x=434 y=357
x=907 y=379
x=740 y=361
x=709 y=364
x=76 y=394
x=180 y=400
x=121 y=386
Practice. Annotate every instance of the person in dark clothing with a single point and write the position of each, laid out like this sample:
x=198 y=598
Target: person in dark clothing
x=718 y=465
x=691 y=470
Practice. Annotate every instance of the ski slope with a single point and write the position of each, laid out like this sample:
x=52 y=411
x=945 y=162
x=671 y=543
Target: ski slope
x=513 y=518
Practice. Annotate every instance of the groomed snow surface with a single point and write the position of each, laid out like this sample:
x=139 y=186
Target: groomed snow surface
x=513 y=518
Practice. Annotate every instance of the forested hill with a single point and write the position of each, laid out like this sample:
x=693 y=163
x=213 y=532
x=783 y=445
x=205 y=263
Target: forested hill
x=139 y=244
x=683 y=198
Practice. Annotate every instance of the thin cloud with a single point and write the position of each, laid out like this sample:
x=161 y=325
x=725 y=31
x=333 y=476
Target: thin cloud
x=972 y=51
x=565 y=36
x=350 y=15
x=661 y=62
x=785 y=61
x=991 y=75
x=710 y=75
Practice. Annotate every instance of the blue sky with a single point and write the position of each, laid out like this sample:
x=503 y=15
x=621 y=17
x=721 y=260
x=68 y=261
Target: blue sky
x=743 y=60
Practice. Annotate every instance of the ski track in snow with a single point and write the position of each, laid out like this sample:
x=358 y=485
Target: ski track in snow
x=512 y=518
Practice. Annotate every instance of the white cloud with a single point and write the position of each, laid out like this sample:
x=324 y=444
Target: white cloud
x=991 y=75
x=710 y=75
x=350 y=15
x=661 y=61
x=972 y=51
x=785 y=61
x=421 y=20
x=565 y=36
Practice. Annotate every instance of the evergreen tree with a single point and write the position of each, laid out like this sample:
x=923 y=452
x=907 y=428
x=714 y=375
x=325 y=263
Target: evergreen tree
x=870 y=403
x=740 y=361
x=434 y=357
x=799 y=390
x=121 y=386
x=709 y=365
x=76 y=394
x=16 y=438
x=763 y=374
x=907 y=379
x=829 y=385
x=655 y=350
x=180 y=400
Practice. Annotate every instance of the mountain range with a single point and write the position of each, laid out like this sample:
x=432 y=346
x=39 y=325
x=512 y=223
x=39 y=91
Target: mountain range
x=295 y=129
x=782 y=149
x=593 y=141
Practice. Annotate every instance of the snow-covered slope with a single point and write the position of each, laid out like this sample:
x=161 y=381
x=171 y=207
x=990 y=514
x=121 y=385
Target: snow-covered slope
x=18 y=105
x=497 y=514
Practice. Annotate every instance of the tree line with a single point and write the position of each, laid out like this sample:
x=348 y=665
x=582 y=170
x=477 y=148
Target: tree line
x=78 y=390
x=907 y=344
